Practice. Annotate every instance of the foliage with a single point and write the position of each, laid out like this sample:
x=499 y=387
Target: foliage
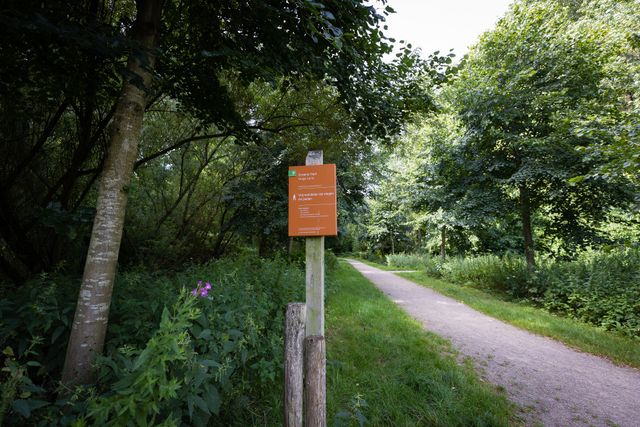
x=518 y=94
x=403 y=260
x=601 y=288
x=149 y=382
x=216 y=358
x=505 y=274
x=252 y=85
x=518 y=151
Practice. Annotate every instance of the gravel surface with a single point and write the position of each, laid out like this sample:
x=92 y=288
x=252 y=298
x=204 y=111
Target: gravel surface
x=552 y=383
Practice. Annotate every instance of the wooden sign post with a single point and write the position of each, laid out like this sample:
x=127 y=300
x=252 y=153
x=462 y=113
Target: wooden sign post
x=313 y=215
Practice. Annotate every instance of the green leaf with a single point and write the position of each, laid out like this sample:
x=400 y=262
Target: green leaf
x=212 y=396
x=210 y=363
x=56 y=333
x=22 y=407
x=206 y=334
x=200 y=403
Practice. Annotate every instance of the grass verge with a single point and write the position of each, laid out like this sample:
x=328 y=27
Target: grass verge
x=617 y=348
x=383 y=367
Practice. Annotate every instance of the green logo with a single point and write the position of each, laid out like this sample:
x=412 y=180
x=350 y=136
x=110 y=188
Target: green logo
x=292 y=173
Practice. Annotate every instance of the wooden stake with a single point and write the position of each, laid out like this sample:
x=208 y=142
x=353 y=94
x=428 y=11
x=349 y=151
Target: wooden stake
x=315 y=271
x=314 y=349
x=294 y=364
x=314 y=382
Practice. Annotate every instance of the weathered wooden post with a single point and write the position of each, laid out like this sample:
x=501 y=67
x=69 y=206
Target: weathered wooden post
x=315 y=370
x=313 y=215
x=315 y=271
x=294 y=364
x=315 y=390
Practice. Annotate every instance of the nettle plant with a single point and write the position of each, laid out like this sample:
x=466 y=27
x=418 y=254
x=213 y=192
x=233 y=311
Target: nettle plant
x=208 y=352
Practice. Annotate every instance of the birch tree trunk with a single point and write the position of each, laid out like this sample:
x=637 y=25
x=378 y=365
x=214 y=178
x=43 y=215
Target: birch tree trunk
x=527 y=233
x=92 y=310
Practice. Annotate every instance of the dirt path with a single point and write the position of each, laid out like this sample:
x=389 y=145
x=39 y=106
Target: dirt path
x=556 y=386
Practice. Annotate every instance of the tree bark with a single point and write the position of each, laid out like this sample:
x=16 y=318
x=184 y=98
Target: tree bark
x=393 y=245
x=525 y=214
x=92 y=310
x=443 y=242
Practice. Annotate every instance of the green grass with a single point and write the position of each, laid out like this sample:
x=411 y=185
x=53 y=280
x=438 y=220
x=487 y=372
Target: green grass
x=618 y=348
x=383 y=366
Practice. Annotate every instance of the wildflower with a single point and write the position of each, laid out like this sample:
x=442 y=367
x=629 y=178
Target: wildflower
x=200 y=290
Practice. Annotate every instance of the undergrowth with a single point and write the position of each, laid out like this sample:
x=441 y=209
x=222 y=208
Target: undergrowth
x=599 y=288
x=171 y=358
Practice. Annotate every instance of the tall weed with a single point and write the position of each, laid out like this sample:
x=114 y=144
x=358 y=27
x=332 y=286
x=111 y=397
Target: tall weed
x=600 y=288
x=402 y=260
x=506 y=274
x=215 y=359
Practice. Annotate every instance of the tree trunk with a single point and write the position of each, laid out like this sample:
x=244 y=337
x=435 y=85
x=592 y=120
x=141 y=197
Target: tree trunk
x=393 y=246
x=525 y=213
x=443 y=242
x=92 y=310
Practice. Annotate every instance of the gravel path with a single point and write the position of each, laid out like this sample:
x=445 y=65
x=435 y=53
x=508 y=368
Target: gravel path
x=555 y=385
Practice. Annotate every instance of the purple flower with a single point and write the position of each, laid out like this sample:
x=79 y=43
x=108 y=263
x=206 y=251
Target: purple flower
x=200 y=290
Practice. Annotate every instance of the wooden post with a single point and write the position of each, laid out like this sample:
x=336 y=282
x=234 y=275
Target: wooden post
x=314 y=382
x=294 y=364
x=315 y=271
x=314 y=352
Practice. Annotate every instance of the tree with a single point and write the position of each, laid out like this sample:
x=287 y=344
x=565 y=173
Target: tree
x=340 y=42
x=59 y=78
x=92 y=310
x=516 y=95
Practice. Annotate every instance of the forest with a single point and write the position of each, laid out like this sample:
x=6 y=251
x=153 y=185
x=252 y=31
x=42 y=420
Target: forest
x=144 y=258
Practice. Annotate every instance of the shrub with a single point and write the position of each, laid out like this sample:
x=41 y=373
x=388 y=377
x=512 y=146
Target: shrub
x=402 y=260
x=601 y=288
x=369 y=256
x=504 y=274
x=213 y=359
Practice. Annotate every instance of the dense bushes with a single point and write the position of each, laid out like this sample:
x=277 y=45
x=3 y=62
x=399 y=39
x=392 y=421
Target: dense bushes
x=598 y=288
x=601 y=288
x=171 y=359
x=505 y=274
x=403 y=260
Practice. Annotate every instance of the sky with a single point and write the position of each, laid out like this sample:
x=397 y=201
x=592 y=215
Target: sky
x=443 y=24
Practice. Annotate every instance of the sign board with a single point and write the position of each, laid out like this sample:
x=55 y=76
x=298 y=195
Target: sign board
x=312 y=201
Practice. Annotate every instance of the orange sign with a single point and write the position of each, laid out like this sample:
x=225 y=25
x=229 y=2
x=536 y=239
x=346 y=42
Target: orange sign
x=312 y=201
